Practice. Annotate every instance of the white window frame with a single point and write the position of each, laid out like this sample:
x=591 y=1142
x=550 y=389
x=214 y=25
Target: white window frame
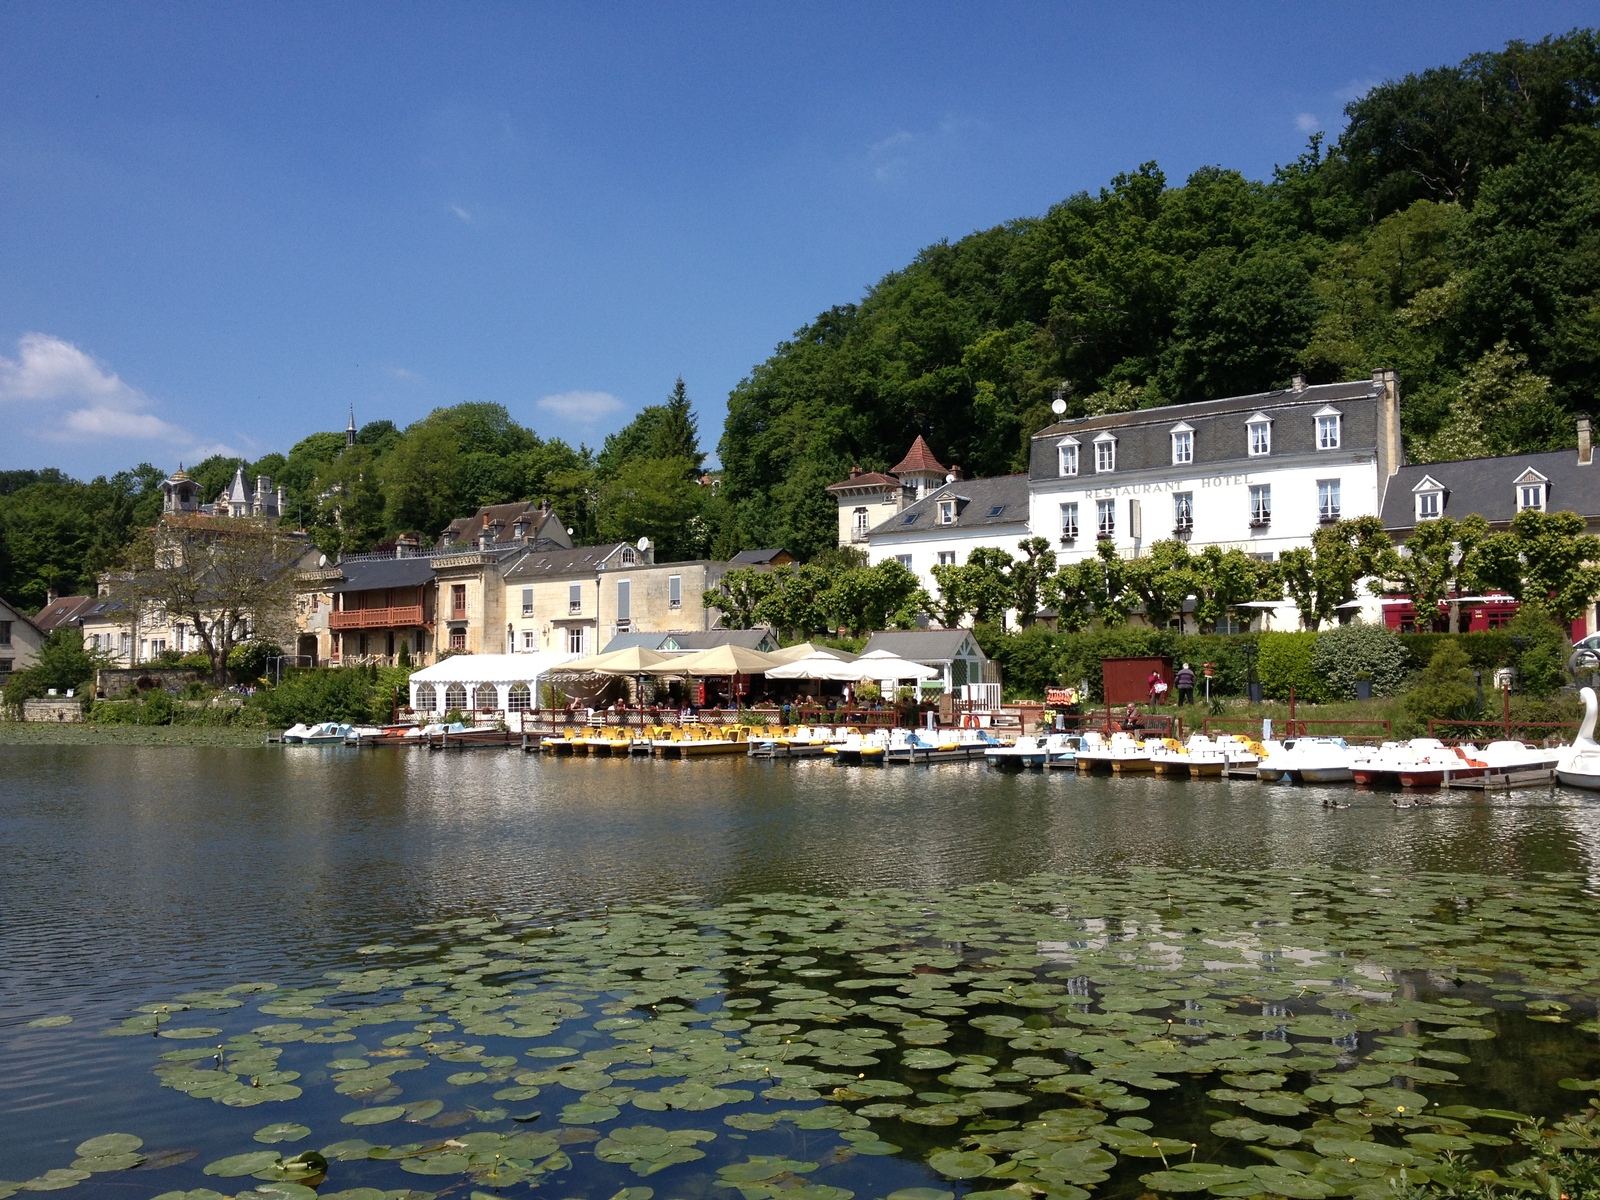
x=1182 y=444
x=1069 y=521
x=1258 y=436
x=527 y=602
x=1330 y=502
x=947 y=558
x=674 y=591
x=574 y=598
x=904 y=560
x=862 y=523
x=1182 y=512
x=1105 y=519
x=624 y=601
x=1105 y=454
x=1067 y=457
x=1260 y=505
x=575 y=639
x=1329 y=421
x=947 y=512
x=1531 y=481
x=1428 y=498
x=530 y=641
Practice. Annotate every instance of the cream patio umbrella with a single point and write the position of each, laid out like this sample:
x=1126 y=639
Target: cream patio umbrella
x=821 y=665
x=728 y=660
x=884 y=665
x=791 y=654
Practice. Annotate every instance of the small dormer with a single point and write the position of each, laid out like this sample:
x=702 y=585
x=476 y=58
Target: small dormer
x=1182 y=435
x=946 y=509
x=1067 y=456
x=1329 y=427
x=1258 y=435
x=1429 y=499
x=1105 y=453
x=1532 y=491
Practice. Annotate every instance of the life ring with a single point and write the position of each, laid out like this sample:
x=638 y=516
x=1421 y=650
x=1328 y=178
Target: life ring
x=970 y=721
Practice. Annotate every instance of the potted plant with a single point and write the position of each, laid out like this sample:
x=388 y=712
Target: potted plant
x=1363 y=685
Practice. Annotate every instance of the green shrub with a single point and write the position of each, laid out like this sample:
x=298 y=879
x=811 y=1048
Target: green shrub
x=323 y=694
x=248 y=662
x=62 y=663
x=1542 y=648
x=1284 y=661
x=1446 y=689
x=1348 y=652
x=1485 y=651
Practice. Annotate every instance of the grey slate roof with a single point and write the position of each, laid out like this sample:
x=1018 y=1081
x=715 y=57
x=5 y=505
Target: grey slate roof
x=756 y=558
x=580 y=560
x=372 y=574
x=1144 y=441
x=645 y=641
x=976 y=502
x=707 y=639
x=1485 y=487
x=923 y=645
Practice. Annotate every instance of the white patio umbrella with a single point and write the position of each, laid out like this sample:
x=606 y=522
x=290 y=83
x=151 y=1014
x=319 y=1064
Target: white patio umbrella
x=884 y=664
x=816 y=666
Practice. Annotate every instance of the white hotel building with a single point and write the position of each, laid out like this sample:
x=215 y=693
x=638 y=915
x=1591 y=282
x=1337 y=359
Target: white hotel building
x=1259 y=473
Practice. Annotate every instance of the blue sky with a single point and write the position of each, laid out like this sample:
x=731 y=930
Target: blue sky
x=221 y=225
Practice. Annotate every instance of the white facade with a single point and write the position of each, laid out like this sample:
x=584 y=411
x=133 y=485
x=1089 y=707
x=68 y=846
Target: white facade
x=922 y=552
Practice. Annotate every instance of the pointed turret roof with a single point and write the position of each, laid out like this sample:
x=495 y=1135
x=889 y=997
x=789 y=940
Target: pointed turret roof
x=238 y=492
x=918 y=460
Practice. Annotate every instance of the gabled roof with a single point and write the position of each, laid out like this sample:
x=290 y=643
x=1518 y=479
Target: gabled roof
x=976 y=499
x=237 y=493
x=708 y=639
x=1486 y=487
x=540 y=522
x=62 y=612
x=918 y=459
x=923 y=645
x=23 y=618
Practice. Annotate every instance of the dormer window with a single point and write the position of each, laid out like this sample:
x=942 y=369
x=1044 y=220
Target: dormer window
x=1105 y=453
x=1430 y=499
x=1258 y=435
x=628 y=556
x=1328 y=428
x=1067 y=456
x=1531 y=491
x=1182 y=444
x=947 y=512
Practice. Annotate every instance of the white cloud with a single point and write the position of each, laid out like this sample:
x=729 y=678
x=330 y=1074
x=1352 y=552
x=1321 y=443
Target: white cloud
x=406 y=374
x=75 y=398
x=891 y=158
x=1307 y=122
x=1356 y=89
x=461 y=213
x=586 y=408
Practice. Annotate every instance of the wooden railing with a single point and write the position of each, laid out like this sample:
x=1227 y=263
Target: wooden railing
x=400 y=617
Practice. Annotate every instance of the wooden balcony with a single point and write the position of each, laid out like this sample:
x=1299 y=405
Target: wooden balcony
x=407 y=616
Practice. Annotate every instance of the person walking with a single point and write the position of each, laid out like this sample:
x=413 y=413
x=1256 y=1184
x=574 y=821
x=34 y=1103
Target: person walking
x=1184 y=680
x=1157 y=686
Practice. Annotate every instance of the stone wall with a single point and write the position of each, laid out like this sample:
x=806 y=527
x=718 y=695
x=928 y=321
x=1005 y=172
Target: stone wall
x=118 y=683
x=53 y=708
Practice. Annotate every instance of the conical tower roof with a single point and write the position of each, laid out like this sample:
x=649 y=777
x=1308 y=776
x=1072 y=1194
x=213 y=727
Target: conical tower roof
x=919 y=460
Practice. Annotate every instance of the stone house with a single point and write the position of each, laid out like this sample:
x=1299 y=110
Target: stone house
x=20 y=639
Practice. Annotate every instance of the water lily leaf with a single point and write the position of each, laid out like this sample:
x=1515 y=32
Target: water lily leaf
x=55 y=1180
x=190 y=1031
x=281 y=1132
x=238 y=1165
x=374 y=1116
x=109 y=1143
x=960 y=1165
x=49 y=1022
x=920 y=1193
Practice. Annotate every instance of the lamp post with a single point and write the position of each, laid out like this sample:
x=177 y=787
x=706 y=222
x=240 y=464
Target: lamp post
x=1252 y=682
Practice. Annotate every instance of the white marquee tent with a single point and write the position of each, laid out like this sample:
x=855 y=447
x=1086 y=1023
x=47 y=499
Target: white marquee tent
x=499 y=682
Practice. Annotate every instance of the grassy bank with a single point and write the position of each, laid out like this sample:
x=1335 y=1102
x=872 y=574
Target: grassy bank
x=18 y=733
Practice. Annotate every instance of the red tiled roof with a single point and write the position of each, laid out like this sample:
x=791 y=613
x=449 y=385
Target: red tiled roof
x=870 y=479
x=918 y=458
x=59 y=612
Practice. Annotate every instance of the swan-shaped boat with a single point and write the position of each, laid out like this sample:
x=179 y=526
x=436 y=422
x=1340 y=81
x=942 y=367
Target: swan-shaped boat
x=1579 y=764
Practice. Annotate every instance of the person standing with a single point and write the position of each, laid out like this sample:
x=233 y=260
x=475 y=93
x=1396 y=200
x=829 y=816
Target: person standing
x=1184 y=680
x=1156 y=684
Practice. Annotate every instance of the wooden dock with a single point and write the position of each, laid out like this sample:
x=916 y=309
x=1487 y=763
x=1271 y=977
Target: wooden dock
x=1505 y=781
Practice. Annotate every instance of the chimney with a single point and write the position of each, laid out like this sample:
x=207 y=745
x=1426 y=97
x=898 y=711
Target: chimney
x=1585 y=443
x=956 y=471
x=1298 y=384
x=1390 y=455
x=854 y=472
x=51 y=595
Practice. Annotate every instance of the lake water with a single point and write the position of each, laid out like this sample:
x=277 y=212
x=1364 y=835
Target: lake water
x=129 y=875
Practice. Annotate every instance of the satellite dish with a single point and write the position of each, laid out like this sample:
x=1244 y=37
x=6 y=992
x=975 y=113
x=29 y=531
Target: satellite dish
x=569 y=531
x=1058 y=406
x=322 y=560
x=644 y=543
x=950 y=478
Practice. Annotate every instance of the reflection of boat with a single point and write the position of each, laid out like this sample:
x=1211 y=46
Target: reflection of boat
x=1121 y=754
x=1579 y=764
x=1034 y=752
x=1307 y=760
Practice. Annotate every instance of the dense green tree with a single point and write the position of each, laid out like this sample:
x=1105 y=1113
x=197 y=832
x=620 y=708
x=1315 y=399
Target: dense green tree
x=1323 y=578
x=422 y=480
x=654 y=498
x=62 y=663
